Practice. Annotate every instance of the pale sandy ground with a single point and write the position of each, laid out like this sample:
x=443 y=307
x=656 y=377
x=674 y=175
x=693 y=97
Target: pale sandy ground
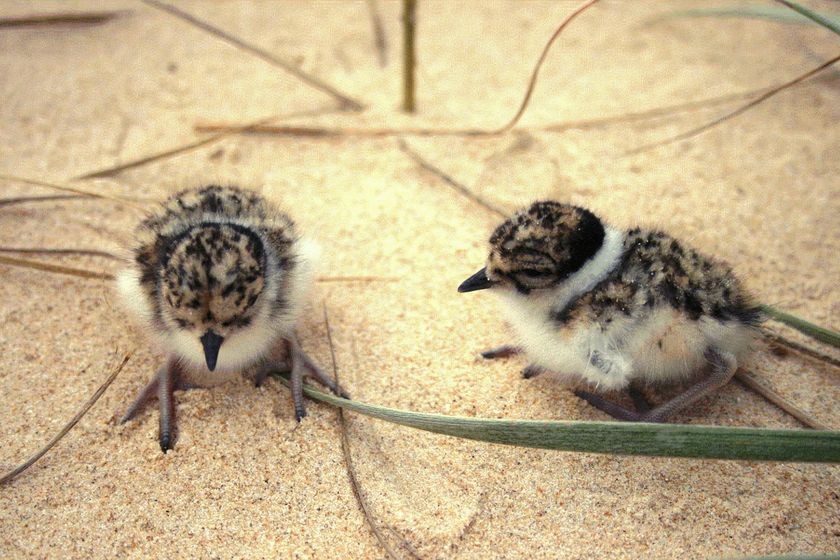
x=760 y=191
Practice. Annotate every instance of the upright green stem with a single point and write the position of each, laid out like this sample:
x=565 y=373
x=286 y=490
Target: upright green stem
x=409 y=19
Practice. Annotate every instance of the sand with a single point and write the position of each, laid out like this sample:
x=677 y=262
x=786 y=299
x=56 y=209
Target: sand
x=760 y=191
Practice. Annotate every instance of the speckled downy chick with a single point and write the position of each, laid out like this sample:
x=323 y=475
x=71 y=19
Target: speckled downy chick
x=616 y=309
x=219 y=277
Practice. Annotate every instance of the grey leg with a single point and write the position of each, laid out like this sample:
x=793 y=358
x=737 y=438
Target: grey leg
x=723 y=368
x=166 y=386
x=265 y=369
x=302 y=364
x=296 y=379
x=323 y=378
x=639 y=400
x=150 y=391
x=723 y=365
x=261 y=375
x=297 y=355
x=531 y=371
x=163 y=384
x=504 y=351
x=614 y=410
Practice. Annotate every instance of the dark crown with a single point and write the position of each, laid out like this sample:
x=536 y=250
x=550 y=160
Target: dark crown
x=213 y=275
x=542 y=245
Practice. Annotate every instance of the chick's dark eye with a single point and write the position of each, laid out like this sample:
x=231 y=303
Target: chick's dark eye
x=533 y=278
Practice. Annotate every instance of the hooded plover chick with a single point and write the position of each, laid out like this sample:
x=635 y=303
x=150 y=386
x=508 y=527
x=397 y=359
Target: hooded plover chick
x=218 y=279
x=613 y=308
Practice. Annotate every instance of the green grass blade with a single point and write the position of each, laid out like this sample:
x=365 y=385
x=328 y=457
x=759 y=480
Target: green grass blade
x=621 y=438
x=788 y=557
x=829 y=22
x=782 y=15
x=817 y=332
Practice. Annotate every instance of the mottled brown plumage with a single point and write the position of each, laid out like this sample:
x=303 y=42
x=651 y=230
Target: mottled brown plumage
x=655 y=270
x=218 y=279
x=609 y=308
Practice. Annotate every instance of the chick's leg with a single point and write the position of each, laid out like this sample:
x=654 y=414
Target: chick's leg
x=504 y=351
x=168 y=431
x=267 y=368
x=507 y=350
x=150 y=392
x=167 y=379
x=639 y=400
x=319 y=374
x=302 y=365
x=614 y=410
x=296 y=379
x=723 y=365
x=323 y=378
x=532 y=370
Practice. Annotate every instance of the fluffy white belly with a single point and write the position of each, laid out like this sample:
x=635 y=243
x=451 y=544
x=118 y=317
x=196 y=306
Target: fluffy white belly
x=661 y=347
x=568 y=352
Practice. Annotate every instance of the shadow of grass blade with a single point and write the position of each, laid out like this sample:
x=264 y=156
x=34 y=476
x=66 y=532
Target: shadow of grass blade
x=616 y=438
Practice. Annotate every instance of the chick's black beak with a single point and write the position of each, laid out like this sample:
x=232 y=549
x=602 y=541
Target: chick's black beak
x=477 y=281
x=211 y=342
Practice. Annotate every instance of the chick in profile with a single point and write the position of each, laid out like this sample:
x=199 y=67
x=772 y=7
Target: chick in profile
x=218 y=279
x=614 y=309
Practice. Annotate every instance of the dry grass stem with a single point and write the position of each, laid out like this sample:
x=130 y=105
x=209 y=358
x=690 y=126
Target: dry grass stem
x=533 y=81
x=769 y=394
x=61 y=19
x=657 y=112
x=812 y=330
x=379 y=41
x=767 y=95
x=776 y=338
x=48 y=198
x=83 y=192
x=458 y=187
x=55 y=268
x=48 y=251
x=143 y=160
x=346 y=103
x=8 y=477
x=348 y=457
x=406 y=545
x=409 y=21
x=322 y=132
